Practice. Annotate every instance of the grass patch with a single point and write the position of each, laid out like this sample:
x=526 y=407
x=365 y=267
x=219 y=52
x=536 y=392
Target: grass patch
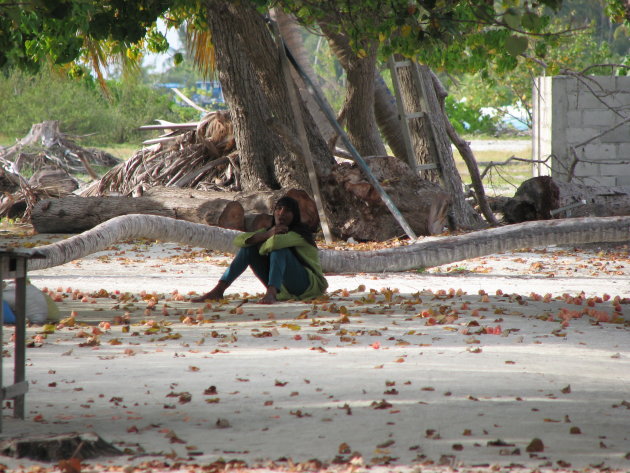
x=503 y=179
x=122 y=151
x=6 y=141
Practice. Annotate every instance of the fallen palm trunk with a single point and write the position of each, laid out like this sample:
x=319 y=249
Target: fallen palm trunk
x=434 y=252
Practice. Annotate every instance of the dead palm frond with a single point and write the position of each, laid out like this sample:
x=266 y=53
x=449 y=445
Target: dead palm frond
x=200 y=47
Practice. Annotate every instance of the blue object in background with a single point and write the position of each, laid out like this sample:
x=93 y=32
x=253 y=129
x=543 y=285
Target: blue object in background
x=9 y=316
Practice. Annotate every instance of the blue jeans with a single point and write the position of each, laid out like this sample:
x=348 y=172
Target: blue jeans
x=280 y=267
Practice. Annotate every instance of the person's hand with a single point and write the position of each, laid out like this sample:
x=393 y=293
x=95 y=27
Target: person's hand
x=278 y=230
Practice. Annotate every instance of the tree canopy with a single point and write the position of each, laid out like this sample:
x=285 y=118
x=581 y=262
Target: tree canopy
x=475 y=32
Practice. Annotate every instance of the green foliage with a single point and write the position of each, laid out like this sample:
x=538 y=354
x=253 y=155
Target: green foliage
x=469 y=120
x=79 y=106
x=497 y=87
x=41 y=32
x=134 y=104
x=494 y=47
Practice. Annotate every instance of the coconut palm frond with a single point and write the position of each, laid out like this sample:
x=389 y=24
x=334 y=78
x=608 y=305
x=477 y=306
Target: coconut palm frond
x=199 y=44
x=128 y=57
x=97 y=58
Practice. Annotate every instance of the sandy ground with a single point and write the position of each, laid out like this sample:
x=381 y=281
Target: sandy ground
x=458 y=367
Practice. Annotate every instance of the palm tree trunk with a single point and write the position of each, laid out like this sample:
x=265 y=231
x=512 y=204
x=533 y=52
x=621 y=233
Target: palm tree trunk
x=358 y=109
x=425 y=254
x=386 y=113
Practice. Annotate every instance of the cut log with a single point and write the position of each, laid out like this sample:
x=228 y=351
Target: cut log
x=542 y=198
x=252 y=202
x=255 y=222
x=224 y=214
x=53 y=182
x=74 y=214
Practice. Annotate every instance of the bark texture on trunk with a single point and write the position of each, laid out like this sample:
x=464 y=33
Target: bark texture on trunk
x=249 y=68
x=248 y=64
x=76 y=214
x=424 y=204
x=432 y=137
x=422 y=142
x=358 y=108
x=418 y=255
x=466 y=153
x=386 y=113
x=291 y=34
x=236 y=210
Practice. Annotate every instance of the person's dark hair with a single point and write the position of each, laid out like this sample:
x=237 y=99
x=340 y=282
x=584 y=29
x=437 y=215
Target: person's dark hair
x=296 y=224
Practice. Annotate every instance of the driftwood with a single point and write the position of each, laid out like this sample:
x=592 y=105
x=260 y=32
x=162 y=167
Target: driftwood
x=200 y=158
x=75 y=214
x=543 y=198
x=9 y=182
x=53 y=156
x=53 y=182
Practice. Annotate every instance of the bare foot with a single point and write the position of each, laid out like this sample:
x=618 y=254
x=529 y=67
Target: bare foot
x=270 y=297
x=214 y=295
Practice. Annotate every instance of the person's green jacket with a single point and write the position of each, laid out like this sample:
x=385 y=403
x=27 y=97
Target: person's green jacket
x=307 y=253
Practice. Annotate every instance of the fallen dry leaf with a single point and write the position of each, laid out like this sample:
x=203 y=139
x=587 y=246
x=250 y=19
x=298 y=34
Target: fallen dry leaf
x=535 y=446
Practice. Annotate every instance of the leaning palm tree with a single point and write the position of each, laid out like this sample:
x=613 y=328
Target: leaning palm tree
x=422 y=254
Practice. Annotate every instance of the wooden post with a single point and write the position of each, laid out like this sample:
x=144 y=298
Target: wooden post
x=301 y=132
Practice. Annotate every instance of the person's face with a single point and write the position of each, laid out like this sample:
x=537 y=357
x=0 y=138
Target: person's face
x=283 y=215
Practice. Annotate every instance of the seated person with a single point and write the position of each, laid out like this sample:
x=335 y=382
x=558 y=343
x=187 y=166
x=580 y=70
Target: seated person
x=284 y=257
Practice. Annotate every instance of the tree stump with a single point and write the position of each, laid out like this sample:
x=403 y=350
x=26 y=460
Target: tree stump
x=424 y=204
x=544 y=197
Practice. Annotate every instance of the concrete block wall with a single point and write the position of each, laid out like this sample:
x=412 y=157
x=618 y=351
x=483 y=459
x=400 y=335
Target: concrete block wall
x=575 y=118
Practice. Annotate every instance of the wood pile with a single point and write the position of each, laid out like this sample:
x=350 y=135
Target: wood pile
x=192 y=172
x=235 y=210
x=193 y=155
x=53 y=157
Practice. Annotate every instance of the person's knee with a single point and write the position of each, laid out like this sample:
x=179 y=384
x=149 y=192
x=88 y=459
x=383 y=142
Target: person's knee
x=250 y=251
x=281 y=254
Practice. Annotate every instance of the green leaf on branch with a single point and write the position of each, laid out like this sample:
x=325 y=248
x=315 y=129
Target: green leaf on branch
x=516 y=45
x=512 y=18
x=531 y=21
